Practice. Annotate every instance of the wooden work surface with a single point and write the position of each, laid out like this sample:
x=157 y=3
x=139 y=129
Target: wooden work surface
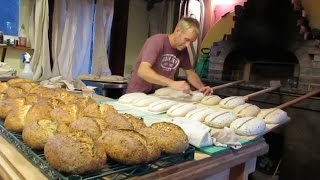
x=13 y=165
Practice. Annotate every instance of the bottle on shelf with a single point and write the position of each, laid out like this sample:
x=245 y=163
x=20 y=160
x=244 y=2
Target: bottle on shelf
x=22 y=37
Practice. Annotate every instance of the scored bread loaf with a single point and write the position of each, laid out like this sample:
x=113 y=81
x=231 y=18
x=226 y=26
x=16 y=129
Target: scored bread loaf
x=248 y=126
x=246 y=110
x=170 y=137
x=66 y=113
x=91 y=126
x=181 y=109
x=3 y=86
x=131 y=97
x=273 y=116
x=74 y=153
x=211 y=100
x=18 y=80
x=38 y=111
x=118 y=121
x=15 y=120
x=220 y=119
x=13 y=92
x=163 y=91
x=6 y=105
x=128 y=146
x=195 y=96
x=231 y=102
x=145 y=101
x=137 y=122
x=161 y=105
x=37 y=133
x=99 y=110
x=199 y=114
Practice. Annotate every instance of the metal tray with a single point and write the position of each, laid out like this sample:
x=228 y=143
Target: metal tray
x=112 y=170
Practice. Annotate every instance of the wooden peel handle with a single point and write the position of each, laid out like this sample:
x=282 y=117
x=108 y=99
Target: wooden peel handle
x=260 y=92
x=301 y=98
x=227 y=84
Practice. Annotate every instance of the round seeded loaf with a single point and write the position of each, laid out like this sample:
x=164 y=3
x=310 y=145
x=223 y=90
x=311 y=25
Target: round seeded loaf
x=170 y=137
x=74 y=153
x=37 y=133
x=91 y=126
x=128 y=146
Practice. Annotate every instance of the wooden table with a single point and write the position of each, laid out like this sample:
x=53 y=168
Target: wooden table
x=5 y=47
x=232 y=164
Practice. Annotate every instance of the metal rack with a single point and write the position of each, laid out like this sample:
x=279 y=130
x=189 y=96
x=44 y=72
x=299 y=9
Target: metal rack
x=112 y=170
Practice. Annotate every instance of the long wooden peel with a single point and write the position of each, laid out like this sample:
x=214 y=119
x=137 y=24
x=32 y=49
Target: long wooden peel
x=297 y=100
x=274 y=85
x=227 y=84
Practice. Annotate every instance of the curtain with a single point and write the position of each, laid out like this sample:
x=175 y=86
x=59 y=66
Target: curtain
x=38 y=36
x=102 y=29
x=74 y=32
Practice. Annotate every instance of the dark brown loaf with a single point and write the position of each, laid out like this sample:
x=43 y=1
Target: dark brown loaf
x=37 y=133
x=170 y=137
x=74 y=153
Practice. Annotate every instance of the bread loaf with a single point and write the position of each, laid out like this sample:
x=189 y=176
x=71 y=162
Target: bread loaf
x=128 y=147
x=170 y=137
x=211 y=100
x=99 y=110
x=220 y=119
x=66 y=114
x=195 y=96
x=118 y=121
x=246 y=110
x=3 y=86
x=199 y=114
x=15 y=120
x=181 y=109
x=74 y=153
x=18 y=80
x=161 y=105
x=37 y=133
x=91 y=126
x=163 y=91
x=136 y=122
x=6 y=105
x=145 y=101
x=13 y=92
x=130 y=97
x=248 y=126
x=38 y=111
x=273 y=116
x=231 y=102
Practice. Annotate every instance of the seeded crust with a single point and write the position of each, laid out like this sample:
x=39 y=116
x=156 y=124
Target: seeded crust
x=118 y=121
x=170 y=137
x=66 y=114
x=37 y=133
x=15 y=121
x=6 y=105
x=38 y=111
x=74 y=153
x=92 y=126
x=128 y=146
x=99 y=110
x=137 y=122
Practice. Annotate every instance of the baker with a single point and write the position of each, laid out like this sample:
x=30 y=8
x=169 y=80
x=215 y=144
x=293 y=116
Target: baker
x=162 y=55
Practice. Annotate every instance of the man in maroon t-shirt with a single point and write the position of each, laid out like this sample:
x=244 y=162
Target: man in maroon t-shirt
x=162 y=55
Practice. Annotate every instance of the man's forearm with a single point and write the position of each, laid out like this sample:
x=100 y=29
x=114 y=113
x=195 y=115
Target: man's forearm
x=151 y=76
x=195 y=80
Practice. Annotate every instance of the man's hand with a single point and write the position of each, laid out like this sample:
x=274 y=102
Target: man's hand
x=206 y=90
x=181 y=86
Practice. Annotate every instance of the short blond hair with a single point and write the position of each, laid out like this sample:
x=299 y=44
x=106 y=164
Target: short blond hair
x=186 y=23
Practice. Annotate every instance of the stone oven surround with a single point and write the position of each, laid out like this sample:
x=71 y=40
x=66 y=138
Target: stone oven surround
x=283 y=35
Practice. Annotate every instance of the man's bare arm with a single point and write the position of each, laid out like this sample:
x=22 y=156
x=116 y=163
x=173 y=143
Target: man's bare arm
x=195 y=80
x=148 y=74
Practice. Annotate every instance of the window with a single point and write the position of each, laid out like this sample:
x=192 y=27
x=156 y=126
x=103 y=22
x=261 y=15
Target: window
x=9 y=17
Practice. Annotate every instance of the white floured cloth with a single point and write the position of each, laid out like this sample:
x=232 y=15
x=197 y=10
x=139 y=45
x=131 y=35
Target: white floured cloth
x=225 y=137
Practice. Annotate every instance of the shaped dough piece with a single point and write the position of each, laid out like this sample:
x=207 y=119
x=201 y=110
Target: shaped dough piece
x=220 y=119
x=273 y=116
x=231 y=102
x=180 y=110
x=195 y=96
x=161 y=106
x=163 y=91
x=199 y=114
x=246 y=110
x=131 y=97
x=145 y=101
x=211 y=100
x=248 y=126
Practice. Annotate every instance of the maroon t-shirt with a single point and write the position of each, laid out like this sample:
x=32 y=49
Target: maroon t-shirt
x=164 y=59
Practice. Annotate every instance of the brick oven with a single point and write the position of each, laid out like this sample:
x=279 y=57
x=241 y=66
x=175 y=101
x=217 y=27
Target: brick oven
x=270 y=40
